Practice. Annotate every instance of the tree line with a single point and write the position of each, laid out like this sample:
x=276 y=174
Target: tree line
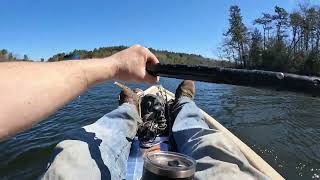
x=164 y=56
x=6 y=56
x=280 y=41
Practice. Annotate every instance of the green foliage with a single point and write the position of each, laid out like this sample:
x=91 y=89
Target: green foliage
x=237 y=35
x=5 y=55
x=255 y=52
x=290 y=42
x=265 y=21
x=276 y=57
x=165 y=57
x=3 y=52
x=281 y=21
x=57 y=57
x=312 y=63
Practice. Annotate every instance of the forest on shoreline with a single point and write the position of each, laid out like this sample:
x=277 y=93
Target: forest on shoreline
x=279 y=41
x=164 y=56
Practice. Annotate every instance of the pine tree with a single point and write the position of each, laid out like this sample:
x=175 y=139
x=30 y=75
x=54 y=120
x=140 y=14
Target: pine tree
x=265 y=21
x=296 y=21
x=311 y=23
x=3 y=52
x=255 y=52
x=318 y=30
x=281 y=20
x=237 y=34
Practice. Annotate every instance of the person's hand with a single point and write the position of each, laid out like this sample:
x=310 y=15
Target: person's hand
x=131 y=64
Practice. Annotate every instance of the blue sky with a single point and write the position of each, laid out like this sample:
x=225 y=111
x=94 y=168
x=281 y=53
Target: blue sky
x=41 y=28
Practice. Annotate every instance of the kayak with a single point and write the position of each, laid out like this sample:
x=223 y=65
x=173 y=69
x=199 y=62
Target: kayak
x=137 y=153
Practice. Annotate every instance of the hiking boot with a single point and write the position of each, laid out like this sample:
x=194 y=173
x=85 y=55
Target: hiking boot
x=187 y=89
x=128 y=96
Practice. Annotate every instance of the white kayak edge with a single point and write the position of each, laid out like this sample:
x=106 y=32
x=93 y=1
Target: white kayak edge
x=254 y=159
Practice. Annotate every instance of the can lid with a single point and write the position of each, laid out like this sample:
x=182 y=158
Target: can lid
x=170 y=164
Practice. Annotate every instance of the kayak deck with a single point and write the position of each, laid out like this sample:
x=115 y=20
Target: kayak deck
x=135 y=160
x=254 y=159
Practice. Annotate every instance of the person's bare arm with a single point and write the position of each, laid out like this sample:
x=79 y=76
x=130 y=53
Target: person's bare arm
x=30 y=91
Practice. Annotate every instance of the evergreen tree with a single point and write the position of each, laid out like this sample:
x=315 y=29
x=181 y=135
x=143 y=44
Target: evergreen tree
x=265 y=21
x=318 y=30
x=311 y=24
x=237 y=34
x=296 y=21
x=3 y=52
x=281 y=20
x=255 y=52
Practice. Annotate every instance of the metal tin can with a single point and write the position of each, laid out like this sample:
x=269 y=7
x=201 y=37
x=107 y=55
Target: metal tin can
x=168 y=165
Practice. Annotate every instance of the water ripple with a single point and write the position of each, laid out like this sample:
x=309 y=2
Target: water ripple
x=281 y=127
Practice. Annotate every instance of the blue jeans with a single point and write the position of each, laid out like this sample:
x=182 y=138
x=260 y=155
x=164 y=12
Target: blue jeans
x=101 y=150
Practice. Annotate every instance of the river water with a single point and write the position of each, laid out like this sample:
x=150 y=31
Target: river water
x=283 y=128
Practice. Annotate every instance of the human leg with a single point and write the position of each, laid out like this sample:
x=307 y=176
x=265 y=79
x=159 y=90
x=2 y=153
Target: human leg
x=216 y=155
x=96 y=151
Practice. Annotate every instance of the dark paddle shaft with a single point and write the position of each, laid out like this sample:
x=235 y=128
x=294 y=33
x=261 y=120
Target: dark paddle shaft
x=254 y=78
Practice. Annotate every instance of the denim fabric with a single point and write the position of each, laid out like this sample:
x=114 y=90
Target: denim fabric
x=96 y=151
x=216 y=156
x=101 y=150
